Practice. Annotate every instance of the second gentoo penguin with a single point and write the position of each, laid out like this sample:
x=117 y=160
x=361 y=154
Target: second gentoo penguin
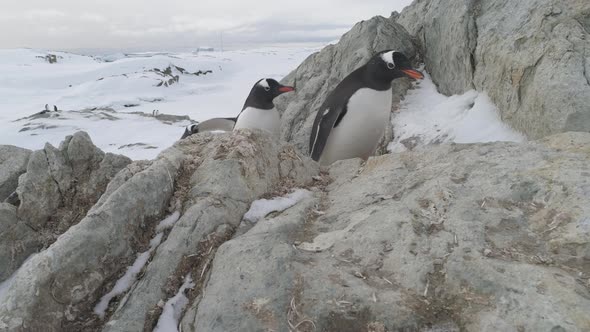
x=353 y=118
x=258 y=112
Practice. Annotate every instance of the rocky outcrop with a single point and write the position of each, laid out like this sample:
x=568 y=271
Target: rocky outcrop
x=227 y=176
x=475 y=237
x=13 y=163
x=322 y=71
x=209 y=179
x=481 y=237
x=77 y=171
x=50 y=287
x=531 y=57
x=50 y=58
x=171 y=74
x=56 y=190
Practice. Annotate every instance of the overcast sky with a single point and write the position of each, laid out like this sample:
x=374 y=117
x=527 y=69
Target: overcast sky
x=161 y=24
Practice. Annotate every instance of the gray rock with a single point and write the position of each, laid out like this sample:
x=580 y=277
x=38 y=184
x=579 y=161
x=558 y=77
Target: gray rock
x=165 y=118
x=479 y=237
x=322 y=71
x=83 y=156
x=121 y=178
x=7 y=216
x=447 y=37
x=52 y=287
x=232 y=171
x=260 y=292
x=17 y=241
x=58 y=188
x=13 y=163
x=38 y=191
x=531 y=57
x=60 y=185
x=476 y=237
x=210 y=178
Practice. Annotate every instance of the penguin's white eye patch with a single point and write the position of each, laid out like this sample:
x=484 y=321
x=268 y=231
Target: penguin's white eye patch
x=264 y=83
x=388 y=59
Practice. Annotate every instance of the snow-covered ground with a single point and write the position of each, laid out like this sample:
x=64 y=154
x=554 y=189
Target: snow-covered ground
x=113 y=97
x=428 y=117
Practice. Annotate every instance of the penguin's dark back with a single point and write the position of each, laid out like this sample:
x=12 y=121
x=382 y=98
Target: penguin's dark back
x=340 y=95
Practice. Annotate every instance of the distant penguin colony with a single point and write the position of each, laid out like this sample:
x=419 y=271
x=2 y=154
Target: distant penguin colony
x=351 y=121
x=258 y=112
x=349 y=124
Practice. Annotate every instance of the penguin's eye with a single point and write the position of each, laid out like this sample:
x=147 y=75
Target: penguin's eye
x=390 y=65
x=267 y=88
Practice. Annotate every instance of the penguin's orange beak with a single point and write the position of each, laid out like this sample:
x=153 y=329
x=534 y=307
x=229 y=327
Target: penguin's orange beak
x=413 y=74
x=285 y=88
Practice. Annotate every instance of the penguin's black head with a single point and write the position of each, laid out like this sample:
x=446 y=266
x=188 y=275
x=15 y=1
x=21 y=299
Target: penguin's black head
x=388 y=65
x=263 y=93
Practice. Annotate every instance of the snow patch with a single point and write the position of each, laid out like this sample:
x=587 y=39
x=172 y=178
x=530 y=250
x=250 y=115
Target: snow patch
x=168 y=222
x=170 y=317
x=428 y=117
x=262 y=207
x=130 y=276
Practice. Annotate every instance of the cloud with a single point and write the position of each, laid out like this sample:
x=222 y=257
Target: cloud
x=179 y=23
x=43 y=14
x=92 y=18
x=206 y=24
x=272 y=30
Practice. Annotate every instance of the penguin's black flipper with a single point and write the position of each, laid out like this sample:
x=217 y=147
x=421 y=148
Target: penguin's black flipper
x=325 y=120
x=333 y=111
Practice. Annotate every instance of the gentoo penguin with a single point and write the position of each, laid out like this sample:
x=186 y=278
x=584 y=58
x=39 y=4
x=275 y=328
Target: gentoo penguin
x=354 y=116
x=258 y=111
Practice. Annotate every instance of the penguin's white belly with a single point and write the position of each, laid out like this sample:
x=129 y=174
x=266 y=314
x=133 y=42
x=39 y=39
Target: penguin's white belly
x=360 y=130
x=255 y=118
